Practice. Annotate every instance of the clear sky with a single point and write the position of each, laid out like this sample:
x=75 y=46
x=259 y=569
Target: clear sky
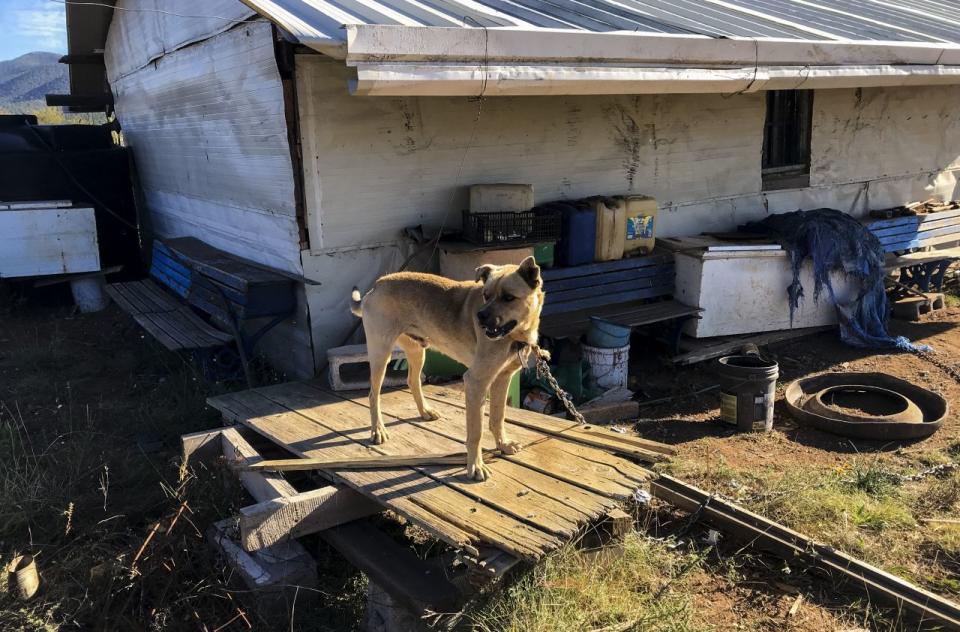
x=29 y=25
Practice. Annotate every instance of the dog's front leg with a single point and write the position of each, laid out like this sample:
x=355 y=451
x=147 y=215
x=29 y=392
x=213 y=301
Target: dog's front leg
x=498 y=405
x=475 y=387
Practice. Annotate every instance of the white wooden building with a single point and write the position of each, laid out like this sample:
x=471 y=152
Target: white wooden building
x=306 y=134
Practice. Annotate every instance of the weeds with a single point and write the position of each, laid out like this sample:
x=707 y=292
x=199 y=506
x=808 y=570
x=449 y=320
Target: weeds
x=642 y=590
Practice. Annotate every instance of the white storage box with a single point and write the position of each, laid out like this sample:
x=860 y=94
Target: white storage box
x=47 y=240
x=743 y=292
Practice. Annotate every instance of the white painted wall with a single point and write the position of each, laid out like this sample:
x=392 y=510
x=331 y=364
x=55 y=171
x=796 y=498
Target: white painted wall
x=207 y=127
x=374 y=165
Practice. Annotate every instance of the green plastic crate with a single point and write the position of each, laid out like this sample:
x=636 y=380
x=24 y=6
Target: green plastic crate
x=438 y=365
x=543 y=254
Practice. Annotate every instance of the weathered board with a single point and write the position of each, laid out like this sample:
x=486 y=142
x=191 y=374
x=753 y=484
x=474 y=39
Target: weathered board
x=45 y=241
x=535 y=500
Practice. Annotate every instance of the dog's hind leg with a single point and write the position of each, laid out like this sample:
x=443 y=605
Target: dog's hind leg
x=379 y=350
x=498 y=404
x=416 y=354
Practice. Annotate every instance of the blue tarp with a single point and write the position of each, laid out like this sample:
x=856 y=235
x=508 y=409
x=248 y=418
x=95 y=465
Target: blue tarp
x=836 y=242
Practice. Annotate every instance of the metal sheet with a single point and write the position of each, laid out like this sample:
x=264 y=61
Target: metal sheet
x=319 y=21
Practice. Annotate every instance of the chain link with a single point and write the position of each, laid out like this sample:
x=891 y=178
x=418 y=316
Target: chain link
x=937 y=362
x=543 y=373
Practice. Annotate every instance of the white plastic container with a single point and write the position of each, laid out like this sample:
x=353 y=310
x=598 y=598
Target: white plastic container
x=608 y=366
x=745 y=292
x=640 y=233
x=611 y=228
x=489 y=198
x=89 y=294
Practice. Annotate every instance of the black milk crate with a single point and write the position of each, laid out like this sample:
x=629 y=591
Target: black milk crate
x=535 y=226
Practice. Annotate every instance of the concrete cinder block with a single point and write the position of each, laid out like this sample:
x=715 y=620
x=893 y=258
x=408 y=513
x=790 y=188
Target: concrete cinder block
x=278 y=577
x=349 y=369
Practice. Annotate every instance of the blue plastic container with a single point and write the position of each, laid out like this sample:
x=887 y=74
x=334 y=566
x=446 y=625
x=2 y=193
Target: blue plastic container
x=578 y=235
x=607 y=335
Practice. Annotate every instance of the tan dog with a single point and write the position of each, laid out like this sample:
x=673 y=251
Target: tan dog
x=482 y=325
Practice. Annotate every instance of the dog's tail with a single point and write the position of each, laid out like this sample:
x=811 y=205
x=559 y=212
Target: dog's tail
x=355 y=300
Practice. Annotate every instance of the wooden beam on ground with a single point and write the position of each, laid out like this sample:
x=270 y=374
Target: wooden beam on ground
x=707 y=349
x=419 y=585
x=201 y=447
x=278 y=520
x=360 y=463
x=793 y=546
x=262 y=486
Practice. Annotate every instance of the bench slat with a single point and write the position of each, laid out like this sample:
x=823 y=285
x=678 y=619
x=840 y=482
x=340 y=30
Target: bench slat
x=606 y=266
x=633 y=314
x=222 y=266
x=597 y=301
x=173 y=324
x=613 y=292
x=921 y=219
x=609 y=277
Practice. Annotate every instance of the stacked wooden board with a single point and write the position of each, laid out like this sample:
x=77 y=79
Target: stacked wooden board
x=941 y=225
x=566 y=477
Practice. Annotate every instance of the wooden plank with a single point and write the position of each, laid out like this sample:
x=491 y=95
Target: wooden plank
x=229 y=269
x=629 y=314
x=606 y=266
x=364 y=463
x=203 y=446
x=278 y=520
x=714 y=349
x=443 y=511
x=514 y=491
x=114 y=292
x=153 y=293
x=607 y=278
x=634 y=447
x=664 y=289
x=262 y=486
x=592 y=469
x=922 y=218
x=792 y=545
x=610 y=291
x=129 y=301
x=418 y=584
x=146 y=320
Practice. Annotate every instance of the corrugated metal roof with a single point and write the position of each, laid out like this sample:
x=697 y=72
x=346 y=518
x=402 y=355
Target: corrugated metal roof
x=845 y=20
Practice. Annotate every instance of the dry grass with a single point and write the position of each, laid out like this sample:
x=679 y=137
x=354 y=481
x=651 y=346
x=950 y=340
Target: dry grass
x=90 y=417
x=645 y=589
x=863 y=508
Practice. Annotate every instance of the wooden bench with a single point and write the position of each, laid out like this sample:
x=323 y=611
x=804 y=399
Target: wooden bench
x=923 y=271
x=188 y=276
x=634 y=292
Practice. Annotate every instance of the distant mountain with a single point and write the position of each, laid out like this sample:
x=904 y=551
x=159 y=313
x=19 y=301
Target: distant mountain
x=30 y=77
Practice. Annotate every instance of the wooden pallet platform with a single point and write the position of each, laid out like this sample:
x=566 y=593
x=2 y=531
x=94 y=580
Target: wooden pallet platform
x=566 y=478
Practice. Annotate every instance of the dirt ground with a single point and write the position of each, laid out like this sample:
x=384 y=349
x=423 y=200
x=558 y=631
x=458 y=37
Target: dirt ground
x=798 y=462
x=91 y=411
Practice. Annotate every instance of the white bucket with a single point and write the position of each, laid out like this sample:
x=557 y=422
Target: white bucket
x=89 y=294
x=608 y=366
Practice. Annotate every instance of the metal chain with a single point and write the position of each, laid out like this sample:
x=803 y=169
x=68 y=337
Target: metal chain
x=937 y=362
x=936 y=470
x=543 y=373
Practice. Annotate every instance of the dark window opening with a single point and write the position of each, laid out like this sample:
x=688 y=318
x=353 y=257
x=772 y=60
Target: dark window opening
x=786 y=139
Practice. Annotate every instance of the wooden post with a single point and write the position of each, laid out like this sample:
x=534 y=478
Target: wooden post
x=281 y=519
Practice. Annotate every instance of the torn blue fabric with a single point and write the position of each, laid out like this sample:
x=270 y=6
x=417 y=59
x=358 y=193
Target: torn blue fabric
x=836 y=242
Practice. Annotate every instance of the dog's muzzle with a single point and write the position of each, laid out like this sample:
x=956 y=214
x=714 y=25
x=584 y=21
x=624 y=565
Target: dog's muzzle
x=495 y=333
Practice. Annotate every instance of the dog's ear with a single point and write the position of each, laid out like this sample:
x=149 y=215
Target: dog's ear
x=530 y=272
x=484 y=271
